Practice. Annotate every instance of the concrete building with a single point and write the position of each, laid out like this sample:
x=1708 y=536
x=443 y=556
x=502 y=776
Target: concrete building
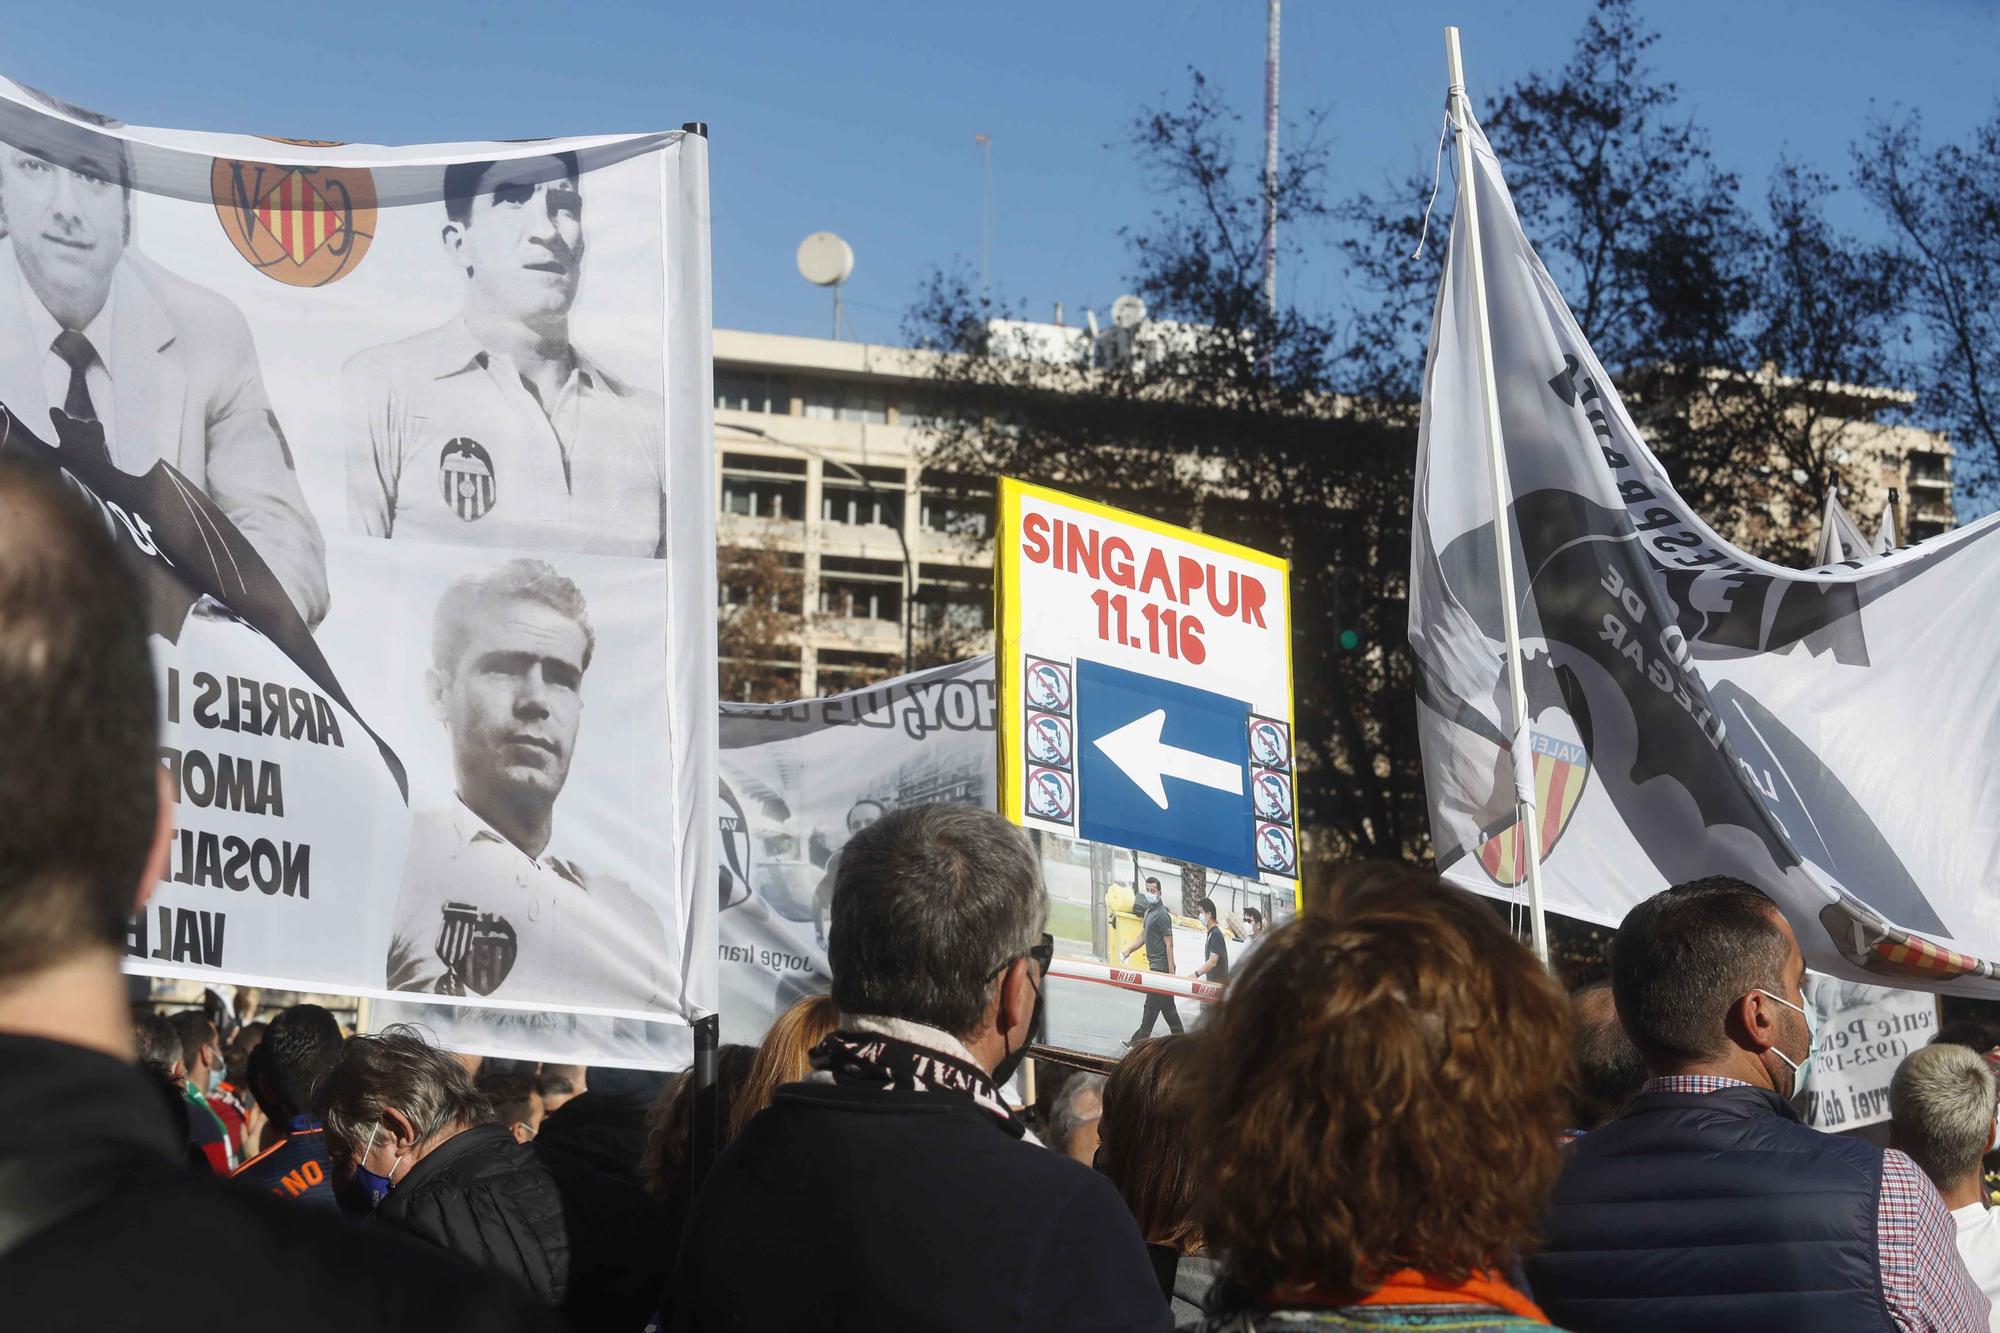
x=822 y=489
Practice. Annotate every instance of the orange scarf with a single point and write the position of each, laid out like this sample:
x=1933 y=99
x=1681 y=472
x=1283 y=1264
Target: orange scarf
x=1407 y=1286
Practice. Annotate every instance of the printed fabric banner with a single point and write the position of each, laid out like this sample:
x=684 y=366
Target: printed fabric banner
x=1831 y=735
x=797 y=781
x=1864 y=1034
x=412 y=450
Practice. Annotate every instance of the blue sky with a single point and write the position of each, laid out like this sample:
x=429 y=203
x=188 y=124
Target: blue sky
x=859 y=117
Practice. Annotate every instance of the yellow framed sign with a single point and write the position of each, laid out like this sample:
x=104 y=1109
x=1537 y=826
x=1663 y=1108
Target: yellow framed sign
x=1145 y=681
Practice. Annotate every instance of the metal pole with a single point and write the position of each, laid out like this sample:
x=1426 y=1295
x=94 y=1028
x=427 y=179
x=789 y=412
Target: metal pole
x=1468 y=198
x=1271 y=157
x=703 y=1126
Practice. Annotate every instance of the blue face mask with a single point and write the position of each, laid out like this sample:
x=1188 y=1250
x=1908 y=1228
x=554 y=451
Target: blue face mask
x=370 y=1188
x=1802 y=1071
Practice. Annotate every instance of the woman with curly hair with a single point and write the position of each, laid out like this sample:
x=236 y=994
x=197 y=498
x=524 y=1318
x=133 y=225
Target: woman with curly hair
x=1382 y=1094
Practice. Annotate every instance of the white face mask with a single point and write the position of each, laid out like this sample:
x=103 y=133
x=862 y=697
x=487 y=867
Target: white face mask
x=1801 y=1070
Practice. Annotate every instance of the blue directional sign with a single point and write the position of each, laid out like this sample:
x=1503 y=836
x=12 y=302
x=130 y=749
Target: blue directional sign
x=1164 y=768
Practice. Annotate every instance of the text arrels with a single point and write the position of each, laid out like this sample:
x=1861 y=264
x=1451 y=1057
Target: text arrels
x=1149 y=572
x=238 y=703
x=184 y=935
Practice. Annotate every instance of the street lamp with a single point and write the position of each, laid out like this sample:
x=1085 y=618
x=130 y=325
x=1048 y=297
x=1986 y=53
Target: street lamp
x=902 y=539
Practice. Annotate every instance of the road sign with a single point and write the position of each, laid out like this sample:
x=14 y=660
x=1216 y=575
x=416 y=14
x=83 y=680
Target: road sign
x=1164 y=766
x=1145 y=685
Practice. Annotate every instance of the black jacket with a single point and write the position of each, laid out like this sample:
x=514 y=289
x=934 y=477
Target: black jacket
x=859 y=1208
x=605 y=1126
x=101 y=1222
x=596 y=1248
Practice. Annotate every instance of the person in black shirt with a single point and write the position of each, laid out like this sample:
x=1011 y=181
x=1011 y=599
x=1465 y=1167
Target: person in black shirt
x=299 y=1046
x=1157 y=936
x=1215 y=953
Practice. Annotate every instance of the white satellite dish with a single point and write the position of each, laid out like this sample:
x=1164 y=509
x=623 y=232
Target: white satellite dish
x=825 y=260
x=1128 y=312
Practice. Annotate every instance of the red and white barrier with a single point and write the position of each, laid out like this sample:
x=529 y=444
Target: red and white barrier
x=1134 y=979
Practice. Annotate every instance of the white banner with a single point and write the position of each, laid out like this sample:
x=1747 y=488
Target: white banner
x=412 y=449
x=1832 y=736
x=1864 y=1034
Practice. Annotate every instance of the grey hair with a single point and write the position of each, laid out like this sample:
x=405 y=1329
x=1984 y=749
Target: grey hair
x=1942 y=1099
x=1066 y=1117
x=524 y=579
x=397 y=1068
x=929 y=903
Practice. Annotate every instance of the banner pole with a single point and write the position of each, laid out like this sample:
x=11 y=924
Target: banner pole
x=1529 y=820
x=705 y=1124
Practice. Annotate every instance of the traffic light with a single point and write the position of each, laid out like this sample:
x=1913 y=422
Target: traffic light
x=1350 y=602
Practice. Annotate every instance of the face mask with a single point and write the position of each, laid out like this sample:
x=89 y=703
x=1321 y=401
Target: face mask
x=1801 y=1072
x=1011 y=1062
x=215 y=1079
x=366 y=1191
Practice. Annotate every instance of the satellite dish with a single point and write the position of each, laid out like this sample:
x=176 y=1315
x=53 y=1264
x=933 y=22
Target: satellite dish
x=1128 y=312
x=825 y=260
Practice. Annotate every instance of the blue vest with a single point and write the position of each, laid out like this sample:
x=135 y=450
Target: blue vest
x=1714 y=1211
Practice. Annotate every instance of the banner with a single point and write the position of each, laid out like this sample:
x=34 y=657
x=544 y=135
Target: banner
x=411 y=449
x=1864 y=1034
x=1832 y=736
x=797 y=781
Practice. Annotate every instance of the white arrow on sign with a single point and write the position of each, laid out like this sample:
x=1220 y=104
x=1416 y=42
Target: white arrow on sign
x=1143 y=757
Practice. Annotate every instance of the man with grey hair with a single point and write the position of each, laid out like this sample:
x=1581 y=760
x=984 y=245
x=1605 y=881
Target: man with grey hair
x=1074 y=1117
x=491 y=903
x=165 y=368
x=1943 y=1104
x=895 y=1180
x=414 y=1142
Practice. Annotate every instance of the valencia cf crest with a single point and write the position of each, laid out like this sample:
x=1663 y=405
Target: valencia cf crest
x=477 y=949
x=465 y=477
x=1562 y=771
x=304 y=226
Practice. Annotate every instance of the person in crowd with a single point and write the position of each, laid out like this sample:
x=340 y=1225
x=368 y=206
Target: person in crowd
x=604 y=1127
x=784 y=1056
x=1074 y=1117
x=1379 y=1195
x=158 y=1050
x=559 y=1083
x=300 y=1045
x=413 y=1142
x=1156 y=937
x=1609 y=1071
x=235 y=1085
x=1795 y=1229
x=1147 y=1151
x=517 y=1099
x=105 y=1226
x=201 y=1066
x=896 y=1182
x=1943 y=1105
x=496 y=429
x=666 y=1167
x=1973 y=1032
x=1253 y=930
x=244 y=1004
x=1215 y=950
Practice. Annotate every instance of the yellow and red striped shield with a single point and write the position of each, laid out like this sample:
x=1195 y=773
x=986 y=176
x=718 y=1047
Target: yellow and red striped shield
x=1562 y=770
x=304 y=226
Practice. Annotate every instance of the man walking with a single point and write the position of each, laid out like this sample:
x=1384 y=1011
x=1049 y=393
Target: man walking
x=1156 y=936
x=104 y=1223
x=900 y=1188
x=1707 y=1204
x=1215 y=950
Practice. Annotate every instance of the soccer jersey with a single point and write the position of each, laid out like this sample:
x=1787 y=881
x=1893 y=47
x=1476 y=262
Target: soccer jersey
x=295 y=1167
x=479 y=916
x=453 y=445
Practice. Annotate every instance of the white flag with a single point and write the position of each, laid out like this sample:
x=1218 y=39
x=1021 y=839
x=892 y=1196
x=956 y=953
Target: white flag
x=1693 y=710
x=1840 y=537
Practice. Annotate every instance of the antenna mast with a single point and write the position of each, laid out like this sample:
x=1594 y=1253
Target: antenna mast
x=1271 y=157
x=985 y=142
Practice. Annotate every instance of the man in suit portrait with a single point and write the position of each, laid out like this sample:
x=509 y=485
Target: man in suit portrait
x=91 y=328
x=495 y=429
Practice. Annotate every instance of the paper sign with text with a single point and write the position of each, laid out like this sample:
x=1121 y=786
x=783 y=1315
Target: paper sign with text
x=1145 y=685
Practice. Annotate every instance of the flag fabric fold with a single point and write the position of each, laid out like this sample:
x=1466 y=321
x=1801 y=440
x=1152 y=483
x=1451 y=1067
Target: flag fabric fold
x=1830 y=735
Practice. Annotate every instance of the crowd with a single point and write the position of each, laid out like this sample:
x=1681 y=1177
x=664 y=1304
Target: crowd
x=1394 y=1118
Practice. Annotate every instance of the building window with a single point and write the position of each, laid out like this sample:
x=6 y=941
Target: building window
x=843 y=498
x=841 y=670
x=954 y=600
x=834 y=400
x=1931 y=467
x=757 y=486
x=958 y=511
x=751 y=391
x=856 y=589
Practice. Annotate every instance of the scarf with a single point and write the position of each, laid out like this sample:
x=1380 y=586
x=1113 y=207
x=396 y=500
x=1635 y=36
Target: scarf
x=892 y=1061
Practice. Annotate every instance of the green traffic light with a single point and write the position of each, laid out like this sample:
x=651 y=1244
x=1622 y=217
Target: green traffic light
x=1349 y=640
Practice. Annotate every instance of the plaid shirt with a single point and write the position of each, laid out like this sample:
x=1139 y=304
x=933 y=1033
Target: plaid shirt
x=1924 y=1281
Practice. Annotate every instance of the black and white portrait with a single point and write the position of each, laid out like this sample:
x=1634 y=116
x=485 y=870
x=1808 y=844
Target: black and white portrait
x=495 y=429
x=494 y=901
x=92 y=328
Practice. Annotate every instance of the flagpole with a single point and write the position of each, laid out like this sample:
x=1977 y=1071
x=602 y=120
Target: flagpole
x=1530 y=822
